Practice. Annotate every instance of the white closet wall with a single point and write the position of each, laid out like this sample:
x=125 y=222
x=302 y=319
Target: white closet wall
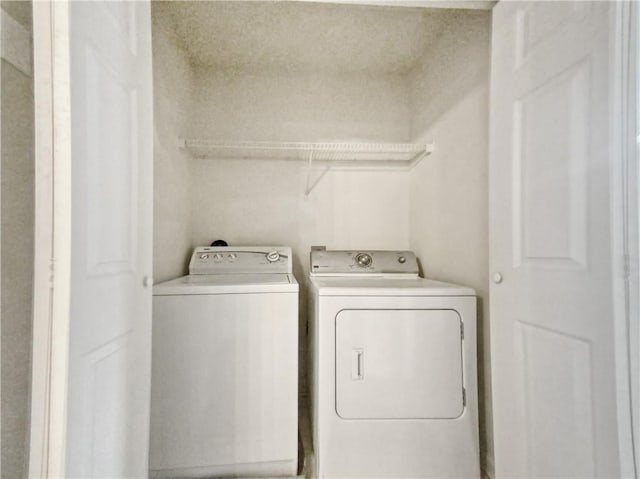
x=172 y=80
x=262 y=201
x=300 y=106
x=449 y=190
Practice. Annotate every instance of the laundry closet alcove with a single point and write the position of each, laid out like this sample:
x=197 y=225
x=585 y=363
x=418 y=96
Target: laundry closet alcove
x=345 y=125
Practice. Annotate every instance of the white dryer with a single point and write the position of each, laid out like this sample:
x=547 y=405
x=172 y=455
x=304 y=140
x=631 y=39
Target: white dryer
x=225 y=366
x=394 y=369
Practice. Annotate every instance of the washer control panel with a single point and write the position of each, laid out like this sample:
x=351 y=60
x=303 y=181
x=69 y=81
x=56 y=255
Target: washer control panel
x=363 y=263
x=241 y=259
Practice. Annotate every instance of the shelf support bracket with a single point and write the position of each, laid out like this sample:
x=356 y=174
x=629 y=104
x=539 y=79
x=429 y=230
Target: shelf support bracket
x=308 y=189
x=310 y=186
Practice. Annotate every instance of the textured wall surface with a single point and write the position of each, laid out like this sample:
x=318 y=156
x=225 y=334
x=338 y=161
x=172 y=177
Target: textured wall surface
x=449 y=191
x=16 y=253
x=263 y=201
x=172 y=78
x=308 y=106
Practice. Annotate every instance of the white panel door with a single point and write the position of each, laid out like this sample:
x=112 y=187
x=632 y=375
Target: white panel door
x=399 y=364
x=552 y=328
x=110 y=325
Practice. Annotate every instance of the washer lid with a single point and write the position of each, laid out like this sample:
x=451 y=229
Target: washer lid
x=227 y=284
x=344 y=286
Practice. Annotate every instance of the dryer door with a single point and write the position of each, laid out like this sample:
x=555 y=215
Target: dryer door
x=399 y=364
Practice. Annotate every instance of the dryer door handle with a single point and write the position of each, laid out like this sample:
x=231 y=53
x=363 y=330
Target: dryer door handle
x=357 y=364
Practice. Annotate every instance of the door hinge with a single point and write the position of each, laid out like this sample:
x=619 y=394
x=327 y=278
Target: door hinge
x=464 y=397
x=461 y=330
x=52 y=270
x=627 y=266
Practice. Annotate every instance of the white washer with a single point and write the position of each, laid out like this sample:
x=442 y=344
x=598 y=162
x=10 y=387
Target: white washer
x=224 y=398
x=394 y=369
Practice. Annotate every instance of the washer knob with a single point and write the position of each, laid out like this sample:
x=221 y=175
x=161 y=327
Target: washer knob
x=273 y=257
x=217 y=257
x=402 y=260
x=204 y=256
x=364 y=260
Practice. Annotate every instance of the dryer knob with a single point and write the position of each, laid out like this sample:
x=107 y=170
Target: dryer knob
x=364 y=260
x=273 y=257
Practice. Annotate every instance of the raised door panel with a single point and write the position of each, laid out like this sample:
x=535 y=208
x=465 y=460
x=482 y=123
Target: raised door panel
x=112 y=157
x=551 y=142
x=399 y=364
x=554 y=387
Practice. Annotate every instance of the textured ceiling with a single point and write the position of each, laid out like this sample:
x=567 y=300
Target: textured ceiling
x=298 y=36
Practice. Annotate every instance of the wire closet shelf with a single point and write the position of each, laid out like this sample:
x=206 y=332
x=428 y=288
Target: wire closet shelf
x=325 y=155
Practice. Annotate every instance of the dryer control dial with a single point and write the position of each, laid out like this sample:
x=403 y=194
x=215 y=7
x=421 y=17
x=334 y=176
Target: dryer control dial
x=273 y=256
x=364 y=260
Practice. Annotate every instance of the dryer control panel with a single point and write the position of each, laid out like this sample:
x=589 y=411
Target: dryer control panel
x=241 y=259
x=363 y=263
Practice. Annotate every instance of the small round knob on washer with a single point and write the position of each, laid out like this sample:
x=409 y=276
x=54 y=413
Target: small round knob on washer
x=364 y=260
x=273 y=256
x=402 y=260
x=204 y=256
